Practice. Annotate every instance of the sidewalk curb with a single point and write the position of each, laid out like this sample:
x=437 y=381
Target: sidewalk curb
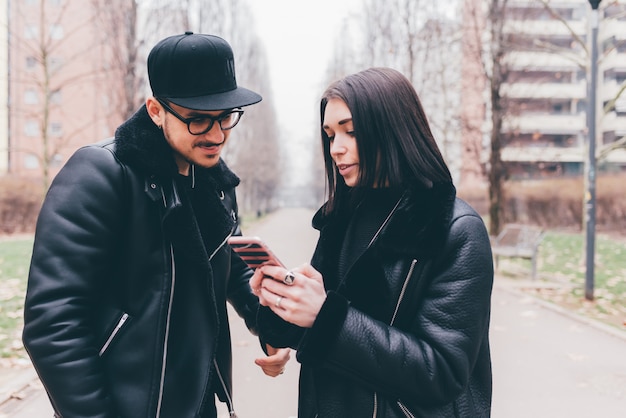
x=14 y=382
x=556 y=308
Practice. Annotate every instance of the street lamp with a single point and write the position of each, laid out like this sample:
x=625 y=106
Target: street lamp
x=590 y=195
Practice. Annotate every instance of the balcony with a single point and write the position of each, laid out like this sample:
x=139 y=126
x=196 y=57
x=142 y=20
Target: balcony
x=542 y=122
x=539 y=90
x=543 y=154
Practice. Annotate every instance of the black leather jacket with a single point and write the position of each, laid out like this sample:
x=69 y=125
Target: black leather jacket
x=407 y=333
x=103 y=273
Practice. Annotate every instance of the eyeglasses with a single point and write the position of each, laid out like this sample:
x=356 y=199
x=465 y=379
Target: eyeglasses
x=199 y=125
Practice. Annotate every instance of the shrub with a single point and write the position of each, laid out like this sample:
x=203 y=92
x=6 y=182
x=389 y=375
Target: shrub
x=557 y=203
x=20 y=201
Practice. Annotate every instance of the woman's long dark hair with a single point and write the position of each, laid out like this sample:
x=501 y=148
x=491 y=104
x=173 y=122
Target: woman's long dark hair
x=395 y=144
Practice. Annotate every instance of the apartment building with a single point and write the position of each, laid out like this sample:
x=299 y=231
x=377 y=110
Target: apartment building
x=545 y=132
x=4 y=89
x=545 y=88
x=59 y=95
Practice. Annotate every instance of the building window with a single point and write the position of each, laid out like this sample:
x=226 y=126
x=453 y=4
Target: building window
x=31 y=128
x=564 y=76
x=620 y=107
x=31 y=161
x=56 y=32
x=31 y=32
x=31 y=62
x=557 y=108
x=55 y=63
x=56 y=161
x=55 y=129
x=55 y=97
x=615 y=11
x=31 y=97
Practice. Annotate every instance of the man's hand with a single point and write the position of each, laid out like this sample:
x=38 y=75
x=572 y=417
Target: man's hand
x=274 y=364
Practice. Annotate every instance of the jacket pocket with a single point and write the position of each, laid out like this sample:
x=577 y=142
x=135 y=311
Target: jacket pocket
x=115 y=332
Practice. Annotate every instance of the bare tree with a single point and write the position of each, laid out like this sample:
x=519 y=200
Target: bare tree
x=487 y=43
x=117 y=21
x=497 y=76
x=56 y=71
x=473 y=171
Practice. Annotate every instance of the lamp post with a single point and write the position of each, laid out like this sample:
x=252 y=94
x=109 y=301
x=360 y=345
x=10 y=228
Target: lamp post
x=590 y=195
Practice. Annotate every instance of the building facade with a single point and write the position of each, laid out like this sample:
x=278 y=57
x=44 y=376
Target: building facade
x=545 y=81
x=58 y=89
x=4 y=89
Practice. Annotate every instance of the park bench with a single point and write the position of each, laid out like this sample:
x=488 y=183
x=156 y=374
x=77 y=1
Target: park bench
x=518 y=241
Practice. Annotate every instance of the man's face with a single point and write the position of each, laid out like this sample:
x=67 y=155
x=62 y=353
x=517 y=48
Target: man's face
x=202 y=150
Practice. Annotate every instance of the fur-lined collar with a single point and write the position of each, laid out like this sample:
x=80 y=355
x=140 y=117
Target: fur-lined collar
x=140 y=143
x=418 y=226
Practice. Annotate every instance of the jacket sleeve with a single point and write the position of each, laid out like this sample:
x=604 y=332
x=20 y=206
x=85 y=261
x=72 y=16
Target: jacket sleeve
x=75 y=236
x=240 y=294
x=433 y=361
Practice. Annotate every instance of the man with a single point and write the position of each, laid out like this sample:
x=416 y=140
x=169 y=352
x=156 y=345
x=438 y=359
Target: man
x=125 y=313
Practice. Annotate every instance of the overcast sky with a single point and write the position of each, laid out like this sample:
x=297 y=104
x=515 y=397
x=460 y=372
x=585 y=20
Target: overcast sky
x=298 y=37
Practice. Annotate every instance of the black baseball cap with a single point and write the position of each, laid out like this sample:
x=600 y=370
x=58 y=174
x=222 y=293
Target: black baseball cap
x=197 y=71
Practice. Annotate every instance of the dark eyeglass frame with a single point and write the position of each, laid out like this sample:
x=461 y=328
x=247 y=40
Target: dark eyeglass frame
x=188 y=121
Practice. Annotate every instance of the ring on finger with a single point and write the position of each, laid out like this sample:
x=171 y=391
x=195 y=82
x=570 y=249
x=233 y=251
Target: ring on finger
x=278 y=300
x=289 y=278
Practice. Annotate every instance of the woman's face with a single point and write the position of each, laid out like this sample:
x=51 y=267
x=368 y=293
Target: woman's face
x=343 y=148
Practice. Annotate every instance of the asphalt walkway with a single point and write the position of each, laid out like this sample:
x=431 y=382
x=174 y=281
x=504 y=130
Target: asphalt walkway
x=546 y=362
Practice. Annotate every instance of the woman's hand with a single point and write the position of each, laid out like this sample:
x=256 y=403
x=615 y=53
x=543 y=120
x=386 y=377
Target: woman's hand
x=296 y=296
x=274 y=363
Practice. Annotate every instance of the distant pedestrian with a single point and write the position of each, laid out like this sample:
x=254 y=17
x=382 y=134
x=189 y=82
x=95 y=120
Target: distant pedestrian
x=391 y=319
x=125 y=312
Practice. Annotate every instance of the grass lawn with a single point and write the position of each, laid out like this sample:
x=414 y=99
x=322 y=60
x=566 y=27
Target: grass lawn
x=561 y=261
x=14 y=260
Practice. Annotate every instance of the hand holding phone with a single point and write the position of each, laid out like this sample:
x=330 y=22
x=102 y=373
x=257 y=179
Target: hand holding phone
x=253 y=251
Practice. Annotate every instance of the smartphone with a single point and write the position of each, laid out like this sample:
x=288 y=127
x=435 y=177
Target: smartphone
x=253 y=251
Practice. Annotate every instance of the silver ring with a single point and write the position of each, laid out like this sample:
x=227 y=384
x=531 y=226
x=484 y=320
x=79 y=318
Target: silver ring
x=289 y=278
x=278 y=300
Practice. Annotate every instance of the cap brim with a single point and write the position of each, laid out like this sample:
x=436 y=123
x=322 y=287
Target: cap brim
x=239 y=97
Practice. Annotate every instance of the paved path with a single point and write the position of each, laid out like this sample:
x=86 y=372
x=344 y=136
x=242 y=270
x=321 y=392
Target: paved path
x=546 y=363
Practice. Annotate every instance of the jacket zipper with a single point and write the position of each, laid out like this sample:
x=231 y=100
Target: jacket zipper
x=219 y=247
x=113 y=334
x=375 y=404
x=403 y=291
x=373 y=239
x=385 y=222
x=405 y=410
x=367 y=248
x=229 y=401
x=167 y=333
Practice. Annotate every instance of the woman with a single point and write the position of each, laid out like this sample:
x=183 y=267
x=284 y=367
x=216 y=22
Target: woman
x=391 y=319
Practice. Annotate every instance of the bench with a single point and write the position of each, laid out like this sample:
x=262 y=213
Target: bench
x=518 y=241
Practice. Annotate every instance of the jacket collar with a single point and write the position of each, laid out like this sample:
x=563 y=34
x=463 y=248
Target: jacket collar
x=140 y=143
x=417 y=227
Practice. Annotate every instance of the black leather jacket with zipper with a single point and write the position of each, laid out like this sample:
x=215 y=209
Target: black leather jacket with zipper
x=103 y=272
x=407 y=334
